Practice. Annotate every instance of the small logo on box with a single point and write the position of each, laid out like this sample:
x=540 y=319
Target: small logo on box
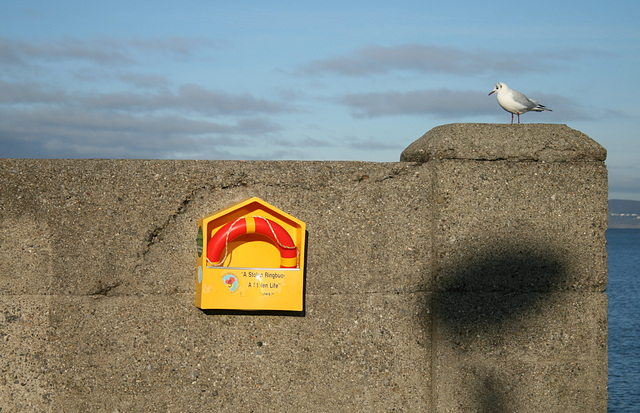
x=231 y=281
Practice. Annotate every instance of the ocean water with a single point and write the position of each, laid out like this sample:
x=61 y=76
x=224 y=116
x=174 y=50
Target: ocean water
x=624 y=319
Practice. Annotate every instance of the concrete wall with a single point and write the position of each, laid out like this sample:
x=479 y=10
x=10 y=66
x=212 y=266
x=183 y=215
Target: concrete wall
x=470 y=276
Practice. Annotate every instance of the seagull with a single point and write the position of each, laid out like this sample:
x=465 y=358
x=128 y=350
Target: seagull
x=515 y=102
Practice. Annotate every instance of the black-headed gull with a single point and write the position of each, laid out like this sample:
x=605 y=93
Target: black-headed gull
x=515 y=102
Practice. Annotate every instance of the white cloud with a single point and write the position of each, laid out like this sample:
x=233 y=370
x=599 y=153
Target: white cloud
x=440 y=102
x=42 y=116
x=458 y=104
x=188 y=98
x=96 y=51
x=138 y=80
x=424 y=58
x=624 y=179
x=30 y=93
x=80 y=132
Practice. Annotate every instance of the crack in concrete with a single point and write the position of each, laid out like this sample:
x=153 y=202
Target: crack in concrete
x=106 y=289
x=156 y=233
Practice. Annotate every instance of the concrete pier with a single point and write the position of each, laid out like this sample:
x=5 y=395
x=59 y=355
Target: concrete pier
x=469 y=276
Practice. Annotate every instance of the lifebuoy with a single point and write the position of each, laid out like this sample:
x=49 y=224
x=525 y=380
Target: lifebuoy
x=253 y=225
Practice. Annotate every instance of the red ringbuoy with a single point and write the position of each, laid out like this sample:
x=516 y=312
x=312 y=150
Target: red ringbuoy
x=253 y=225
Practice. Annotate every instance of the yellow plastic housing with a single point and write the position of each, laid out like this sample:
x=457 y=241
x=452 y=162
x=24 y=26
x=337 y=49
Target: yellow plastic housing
x=248 y=275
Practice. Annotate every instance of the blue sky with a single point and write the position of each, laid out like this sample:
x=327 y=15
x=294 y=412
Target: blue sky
x=309 y=80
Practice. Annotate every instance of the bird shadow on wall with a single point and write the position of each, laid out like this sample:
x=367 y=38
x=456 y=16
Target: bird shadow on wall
x=484 y=303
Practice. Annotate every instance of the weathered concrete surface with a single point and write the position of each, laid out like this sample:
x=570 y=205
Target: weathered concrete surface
x=449 y=283
x=522 y=142
x=519 y=307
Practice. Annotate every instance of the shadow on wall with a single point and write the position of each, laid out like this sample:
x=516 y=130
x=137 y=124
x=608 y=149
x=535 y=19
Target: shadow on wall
x=496 y=285
x=491 y=394
x=484 y=300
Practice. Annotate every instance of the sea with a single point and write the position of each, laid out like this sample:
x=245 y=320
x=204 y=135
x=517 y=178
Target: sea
x=623 y=248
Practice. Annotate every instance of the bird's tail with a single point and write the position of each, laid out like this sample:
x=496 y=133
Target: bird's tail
x=541 y=108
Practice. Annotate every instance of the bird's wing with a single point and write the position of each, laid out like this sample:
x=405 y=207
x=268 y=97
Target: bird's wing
x=523 y=100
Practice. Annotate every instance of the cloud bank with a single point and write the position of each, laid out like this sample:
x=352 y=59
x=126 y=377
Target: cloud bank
x=142 y=114
x=103 y=98
x=426 y=59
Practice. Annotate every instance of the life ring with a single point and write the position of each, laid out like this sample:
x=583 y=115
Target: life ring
x=253 y=225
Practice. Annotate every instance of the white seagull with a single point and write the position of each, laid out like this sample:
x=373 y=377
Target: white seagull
x=515 y=102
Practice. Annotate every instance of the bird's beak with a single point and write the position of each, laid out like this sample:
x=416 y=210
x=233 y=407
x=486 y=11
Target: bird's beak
x=492 y=92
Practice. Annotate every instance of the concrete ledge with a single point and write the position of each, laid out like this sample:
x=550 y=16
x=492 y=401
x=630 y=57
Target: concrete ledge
x=523 y=142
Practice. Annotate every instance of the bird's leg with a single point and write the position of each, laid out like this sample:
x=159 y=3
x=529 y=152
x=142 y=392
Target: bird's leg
x=518 y=118
x=512 y=118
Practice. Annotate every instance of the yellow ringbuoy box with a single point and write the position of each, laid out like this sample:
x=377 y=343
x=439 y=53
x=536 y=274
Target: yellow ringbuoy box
x=250 y=257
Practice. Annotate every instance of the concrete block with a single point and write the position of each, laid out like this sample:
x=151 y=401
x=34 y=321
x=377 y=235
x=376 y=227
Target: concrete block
x=26 y=362
x=159 y=353
x=491 y=142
